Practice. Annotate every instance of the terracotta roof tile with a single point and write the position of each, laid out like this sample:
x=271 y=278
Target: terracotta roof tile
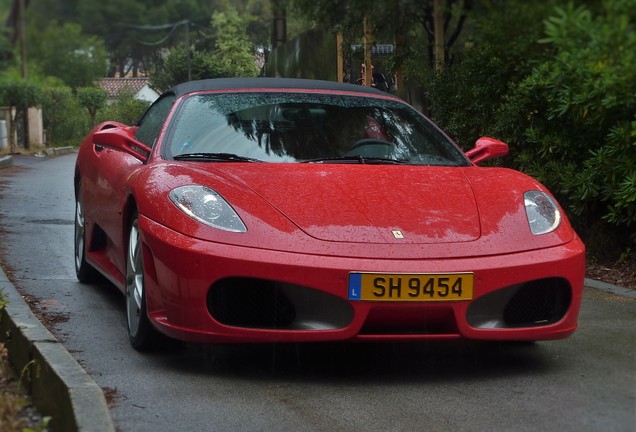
x=114 y=86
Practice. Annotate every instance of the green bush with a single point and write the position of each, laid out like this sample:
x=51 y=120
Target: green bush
x=559 y=85
x=93 y=99
x=581 y=135
x=65 y=120
x=500 y=50
x=126 y=109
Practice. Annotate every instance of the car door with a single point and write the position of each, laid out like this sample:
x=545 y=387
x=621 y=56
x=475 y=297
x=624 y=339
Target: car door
x=114 y=169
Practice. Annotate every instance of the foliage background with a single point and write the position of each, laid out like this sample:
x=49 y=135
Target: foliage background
x=565 y=100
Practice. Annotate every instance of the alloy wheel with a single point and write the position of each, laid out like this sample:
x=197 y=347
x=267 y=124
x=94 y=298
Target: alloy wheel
x=134 y=281
x=79 y=235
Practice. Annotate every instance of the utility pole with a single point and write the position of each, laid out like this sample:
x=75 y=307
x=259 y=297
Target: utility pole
x=279 y=24
x=187 y=44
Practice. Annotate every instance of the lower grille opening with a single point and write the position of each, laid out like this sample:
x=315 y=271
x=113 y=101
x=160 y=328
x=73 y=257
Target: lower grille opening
x=538 y=302
x=244 y=302
x=531 y=304
x=409 y=321
x=272 y=305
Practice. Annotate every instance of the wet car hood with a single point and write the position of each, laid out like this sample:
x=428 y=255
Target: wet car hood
x=383 y=211
x=371 y=204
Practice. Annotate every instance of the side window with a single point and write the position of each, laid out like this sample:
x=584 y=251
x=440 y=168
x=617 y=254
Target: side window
x=152 y=121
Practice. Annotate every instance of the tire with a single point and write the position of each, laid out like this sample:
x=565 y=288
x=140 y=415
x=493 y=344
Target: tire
x=140 y=330
x=85 y=272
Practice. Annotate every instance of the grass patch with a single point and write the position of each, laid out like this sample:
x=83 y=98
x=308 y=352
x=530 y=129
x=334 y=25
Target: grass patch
x=17 y=413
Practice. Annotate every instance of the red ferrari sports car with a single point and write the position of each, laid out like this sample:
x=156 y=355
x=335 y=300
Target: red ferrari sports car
x=284 y=210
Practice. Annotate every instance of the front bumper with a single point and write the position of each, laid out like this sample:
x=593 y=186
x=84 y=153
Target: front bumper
x=200 y=291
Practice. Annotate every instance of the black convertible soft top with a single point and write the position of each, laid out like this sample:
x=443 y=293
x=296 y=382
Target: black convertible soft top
x=268 y=83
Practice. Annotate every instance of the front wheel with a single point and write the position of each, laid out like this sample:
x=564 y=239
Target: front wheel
x=140 y=330
x=84 y=271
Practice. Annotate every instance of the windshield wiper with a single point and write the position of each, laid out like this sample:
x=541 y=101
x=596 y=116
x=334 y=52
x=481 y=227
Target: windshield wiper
x=339 y=159
x=357 y=159
x=378 y=160
x=214 y=157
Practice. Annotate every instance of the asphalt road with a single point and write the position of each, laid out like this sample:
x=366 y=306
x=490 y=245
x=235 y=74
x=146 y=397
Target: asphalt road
x=584 y=383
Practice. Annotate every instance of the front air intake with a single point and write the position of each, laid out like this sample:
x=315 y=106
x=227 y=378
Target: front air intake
x=530 y=304
x=272 y=305
x=245 y=302
x=539 y=302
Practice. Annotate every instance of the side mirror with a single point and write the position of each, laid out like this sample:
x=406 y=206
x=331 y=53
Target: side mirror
x=121 y=137
x=487 y=148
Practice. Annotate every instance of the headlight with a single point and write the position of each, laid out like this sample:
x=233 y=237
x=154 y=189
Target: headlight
x=208 y=207
x=542 y=211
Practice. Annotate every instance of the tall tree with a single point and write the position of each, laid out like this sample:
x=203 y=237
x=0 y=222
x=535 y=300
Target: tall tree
x=125 y=27
x=226 y=52
x=64 y=51
x=233 y=52
x=6 y=52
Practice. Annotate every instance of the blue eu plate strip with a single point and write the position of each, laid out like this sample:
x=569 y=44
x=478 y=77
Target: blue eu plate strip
x=355 y=286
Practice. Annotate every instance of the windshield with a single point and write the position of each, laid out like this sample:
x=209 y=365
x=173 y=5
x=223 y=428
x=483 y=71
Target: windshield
x=306 y=127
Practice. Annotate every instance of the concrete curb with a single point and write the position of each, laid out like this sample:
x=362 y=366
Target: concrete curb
x=6 y=161
x=56 y=151
x=58 y=385
x=614 y=289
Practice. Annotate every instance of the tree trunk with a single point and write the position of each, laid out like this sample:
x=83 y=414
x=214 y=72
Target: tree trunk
x=368 y=67
x=13 y=145
x=438 y=19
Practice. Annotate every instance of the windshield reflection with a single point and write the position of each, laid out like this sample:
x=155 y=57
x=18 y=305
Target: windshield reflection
x=300 y=127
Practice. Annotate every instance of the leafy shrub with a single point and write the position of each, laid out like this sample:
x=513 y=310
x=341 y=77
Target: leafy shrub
x=126 y=109
x=93 y=99
x=500 y=50
x=559 y=85
x=66 y=122
x=581 y=134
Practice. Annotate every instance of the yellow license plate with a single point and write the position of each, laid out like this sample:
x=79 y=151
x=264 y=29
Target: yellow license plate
x=411 y=287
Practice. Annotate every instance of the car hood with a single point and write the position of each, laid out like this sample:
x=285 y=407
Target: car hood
x=408 y=212
x=370 y=203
